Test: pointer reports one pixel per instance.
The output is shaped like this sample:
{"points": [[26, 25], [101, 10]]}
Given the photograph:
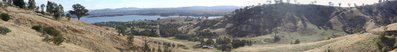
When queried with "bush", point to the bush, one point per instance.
{"points": [[5, 17], [4, 30], [38, 28], [57, 37], [52, 31], [295, 41]]}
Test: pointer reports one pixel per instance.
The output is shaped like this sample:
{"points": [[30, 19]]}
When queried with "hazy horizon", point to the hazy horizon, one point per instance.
{"points": [[112, 4]]}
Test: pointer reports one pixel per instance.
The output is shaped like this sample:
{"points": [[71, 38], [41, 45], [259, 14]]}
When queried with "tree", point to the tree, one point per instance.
{"points": [[57, 12], [153, 33], [32, 4], [121, 30], [340, 4], [49, 7], [130, 39], [69, 16], [8, 2], [42, 8], [37, 9], [225, 43], [60, 10], [79, 11], [210, 42], [146, 47], [228, 47], [330, 3], [54, 9], [19, 3]]}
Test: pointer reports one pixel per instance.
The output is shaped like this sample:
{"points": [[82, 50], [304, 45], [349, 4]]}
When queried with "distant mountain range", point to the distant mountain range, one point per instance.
{"points": [[180, 11]]}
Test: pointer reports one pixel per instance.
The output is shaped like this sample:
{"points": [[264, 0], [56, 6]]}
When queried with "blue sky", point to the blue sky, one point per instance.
{"points": [[102, 4]]}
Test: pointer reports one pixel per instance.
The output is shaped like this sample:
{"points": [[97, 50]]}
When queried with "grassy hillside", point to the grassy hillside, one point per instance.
{"points": [[78, 36]]}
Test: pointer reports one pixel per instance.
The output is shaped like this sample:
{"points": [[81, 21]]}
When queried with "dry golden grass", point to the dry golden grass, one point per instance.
{"points": [[79, 36], [357, 42]]}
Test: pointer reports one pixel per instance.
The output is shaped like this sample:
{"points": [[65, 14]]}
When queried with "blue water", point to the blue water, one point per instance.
{"points": [[124, 18]]}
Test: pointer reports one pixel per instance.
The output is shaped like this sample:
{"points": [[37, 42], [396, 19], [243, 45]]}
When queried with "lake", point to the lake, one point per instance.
{"points": [[125, 18]]}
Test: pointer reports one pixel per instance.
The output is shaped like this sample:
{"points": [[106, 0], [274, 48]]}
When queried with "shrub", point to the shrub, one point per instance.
{"points": [[5, 17], [57, 37], [210, 42], [51, 31], [130, 39], [295, 41], [38, 28], [4, 30]]}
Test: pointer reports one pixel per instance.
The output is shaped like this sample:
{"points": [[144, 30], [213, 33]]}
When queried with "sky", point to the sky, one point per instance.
{"points": [[110, 4]]}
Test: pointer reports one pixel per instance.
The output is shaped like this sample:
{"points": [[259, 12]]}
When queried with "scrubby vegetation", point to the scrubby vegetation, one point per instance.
{"points": [[4, 30], [50, 34], [144, 28], [5, 17], [168, 30], [387, 40], [295, 41]]}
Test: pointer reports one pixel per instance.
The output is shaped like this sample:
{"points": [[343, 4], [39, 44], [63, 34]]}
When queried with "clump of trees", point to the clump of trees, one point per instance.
{"points": [[122, 30], [185, 37], [42, 9], [5, 17], [167, 30], [4, 30], [150, 33], [50, 34], [19, 3], [225, 43], [79, 11], [54, 9], [32, 4], [207, 33]]}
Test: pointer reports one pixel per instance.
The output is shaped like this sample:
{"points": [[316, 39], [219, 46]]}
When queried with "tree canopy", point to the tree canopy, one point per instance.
{"points": [[79, 11]]}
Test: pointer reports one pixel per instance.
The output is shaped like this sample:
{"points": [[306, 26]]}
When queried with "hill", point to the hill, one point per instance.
{"points": [[273, 27], [78, 36], [301, 20]]}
